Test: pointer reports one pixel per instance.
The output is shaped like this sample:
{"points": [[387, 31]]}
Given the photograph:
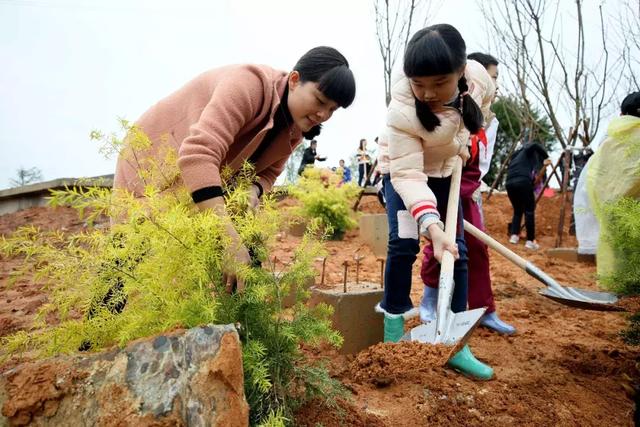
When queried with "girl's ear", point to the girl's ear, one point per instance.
{"points": [[294, 80]]}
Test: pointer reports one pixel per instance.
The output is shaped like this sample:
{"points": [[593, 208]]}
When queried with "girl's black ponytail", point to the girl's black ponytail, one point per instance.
{"points": [[471, 113]]}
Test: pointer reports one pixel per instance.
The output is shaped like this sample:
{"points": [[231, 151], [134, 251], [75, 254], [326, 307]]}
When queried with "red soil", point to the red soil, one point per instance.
{"points": [[563, 367]]}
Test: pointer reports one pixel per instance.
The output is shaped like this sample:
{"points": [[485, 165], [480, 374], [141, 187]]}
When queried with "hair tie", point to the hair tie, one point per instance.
{"points": [[462, 95]]}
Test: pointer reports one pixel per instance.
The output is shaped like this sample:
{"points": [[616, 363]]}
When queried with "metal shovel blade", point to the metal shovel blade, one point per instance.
{"points": [[589, 300], [573, 297], [456, 331]]}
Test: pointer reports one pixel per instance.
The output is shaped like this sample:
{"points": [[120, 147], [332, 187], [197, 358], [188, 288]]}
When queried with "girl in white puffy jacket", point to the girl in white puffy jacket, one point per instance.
{"points": [[435, 104]]}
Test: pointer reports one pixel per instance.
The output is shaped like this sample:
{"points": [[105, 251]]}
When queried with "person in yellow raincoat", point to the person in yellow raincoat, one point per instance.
{"points": [[614, 173]]}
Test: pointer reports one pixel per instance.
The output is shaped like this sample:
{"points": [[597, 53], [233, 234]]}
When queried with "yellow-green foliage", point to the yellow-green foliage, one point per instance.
{"points": [[168, 258], [323, 198], [621, 229]]}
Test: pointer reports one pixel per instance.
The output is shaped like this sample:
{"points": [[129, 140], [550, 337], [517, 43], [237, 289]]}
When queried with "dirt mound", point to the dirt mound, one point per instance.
{"points": [[315, 413], [386, 362], [45, 218], [370, 205], [580, 359]]}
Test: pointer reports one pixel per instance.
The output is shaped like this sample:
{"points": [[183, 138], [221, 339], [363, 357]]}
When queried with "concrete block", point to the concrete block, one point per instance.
{"points": [[354, 316], [374, 232], [571, 255]]}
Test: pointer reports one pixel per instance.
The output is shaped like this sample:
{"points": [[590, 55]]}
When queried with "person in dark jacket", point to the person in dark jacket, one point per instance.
{"points": [[522, 171], [309, 156]]}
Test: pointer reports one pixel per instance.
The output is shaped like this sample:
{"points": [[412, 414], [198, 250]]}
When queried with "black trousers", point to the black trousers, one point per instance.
{"points": [[523, 201], [363, 170]]}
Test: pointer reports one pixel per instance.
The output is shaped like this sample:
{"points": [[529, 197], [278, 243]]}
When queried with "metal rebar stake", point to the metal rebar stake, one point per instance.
{"points": [[346, 266], [324, 266], [358, 258], [381, 261]]}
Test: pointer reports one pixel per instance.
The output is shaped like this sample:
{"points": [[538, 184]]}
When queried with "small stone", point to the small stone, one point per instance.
{"points": [[175, 344], [160, 342], [172, 372], [382, 381]]}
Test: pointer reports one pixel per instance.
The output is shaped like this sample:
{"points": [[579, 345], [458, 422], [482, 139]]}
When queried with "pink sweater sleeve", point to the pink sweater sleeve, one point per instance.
{"points": [[236, 100], [267, 177]]}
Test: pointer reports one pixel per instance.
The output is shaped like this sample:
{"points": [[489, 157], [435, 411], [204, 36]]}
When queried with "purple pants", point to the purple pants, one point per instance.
{"points": [[479, 282]]}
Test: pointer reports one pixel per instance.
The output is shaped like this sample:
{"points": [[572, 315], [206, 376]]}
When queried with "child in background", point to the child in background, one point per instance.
{"points": [[346, 172]]}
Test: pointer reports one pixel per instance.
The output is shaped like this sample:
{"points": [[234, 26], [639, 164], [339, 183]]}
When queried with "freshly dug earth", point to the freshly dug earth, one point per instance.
{"points": [[563, 367], [385, 363]]}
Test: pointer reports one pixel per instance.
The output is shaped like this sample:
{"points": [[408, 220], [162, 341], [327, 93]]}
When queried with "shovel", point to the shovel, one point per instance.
{"points": [[579, 298], [449, 328]]}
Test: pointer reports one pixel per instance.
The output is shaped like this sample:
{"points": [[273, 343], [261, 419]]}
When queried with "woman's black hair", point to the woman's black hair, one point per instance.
{"points": [[435, 50], [631, 105], [327, 67], [330, 70], [360, 144]]}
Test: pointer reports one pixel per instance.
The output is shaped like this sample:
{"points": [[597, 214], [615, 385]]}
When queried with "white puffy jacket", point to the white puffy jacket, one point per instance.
{"points": [[415, 153]]}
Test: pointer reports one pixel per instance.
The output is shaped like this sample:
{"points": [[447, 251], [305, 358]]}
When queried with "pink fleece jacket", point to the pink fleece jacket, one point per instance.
{"points": [[217, 119]]}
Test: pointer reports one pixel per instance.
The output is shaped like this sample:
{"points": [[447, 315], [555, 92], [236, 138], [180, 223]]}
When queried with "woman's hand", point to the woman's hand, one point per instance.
{"points": [[442, 243], [237, 252], [254, 197], [239, 256]]}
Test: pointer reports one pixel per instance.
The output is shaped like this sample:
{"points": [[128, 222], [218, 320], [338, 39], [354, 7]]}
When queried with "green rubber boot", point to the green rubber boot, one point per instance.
{"points": [[393, 327], [465, 362]]}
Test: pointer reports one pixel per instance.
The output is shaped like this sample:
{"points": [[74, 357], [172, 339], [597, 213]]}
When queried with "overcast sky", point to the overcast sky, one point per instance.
{"points": [[71, 66]]}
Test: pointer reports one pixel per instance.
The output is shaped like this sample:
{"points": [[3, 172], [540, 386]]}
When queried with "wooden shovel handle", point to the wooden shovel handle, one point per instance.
{"points": [[495, 245]]}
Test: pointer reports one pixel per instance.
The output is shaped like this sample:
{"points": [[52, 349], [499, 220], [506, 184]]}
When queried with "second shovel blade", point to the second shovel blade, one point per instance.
{"points": [[588, 300]]}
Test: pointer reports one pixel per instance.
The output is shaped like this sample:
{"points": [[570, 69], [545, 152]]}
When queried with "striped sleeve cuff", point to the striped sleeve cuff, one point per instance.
{"points": [[422, 208], [427, 220]]}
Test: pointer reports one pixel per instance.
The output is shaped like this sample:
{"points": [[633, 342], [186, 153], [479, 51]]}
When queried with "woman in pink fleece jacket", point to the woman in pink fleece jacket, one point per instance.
{"points": [[236, 113], [435, 104]]}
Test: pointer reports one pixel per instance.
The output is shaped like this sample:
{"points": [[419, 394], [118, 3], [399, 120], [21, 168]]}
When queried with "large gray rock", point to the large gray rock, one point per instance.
{"points": [[183, 378]]}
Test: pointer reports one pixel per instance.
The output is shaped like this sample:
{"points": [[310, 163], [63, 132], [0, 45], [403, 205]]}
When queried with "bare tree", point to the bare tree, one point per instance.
{"points": [[395, 21], [548, 69], [628, 27], [26, 176]]}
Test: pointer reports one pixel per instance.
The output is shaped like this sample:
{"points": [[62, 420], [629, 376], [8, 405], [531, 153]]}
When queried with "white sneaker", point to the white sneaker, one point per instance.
{"points": [[514, 239], [530, 244]]}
